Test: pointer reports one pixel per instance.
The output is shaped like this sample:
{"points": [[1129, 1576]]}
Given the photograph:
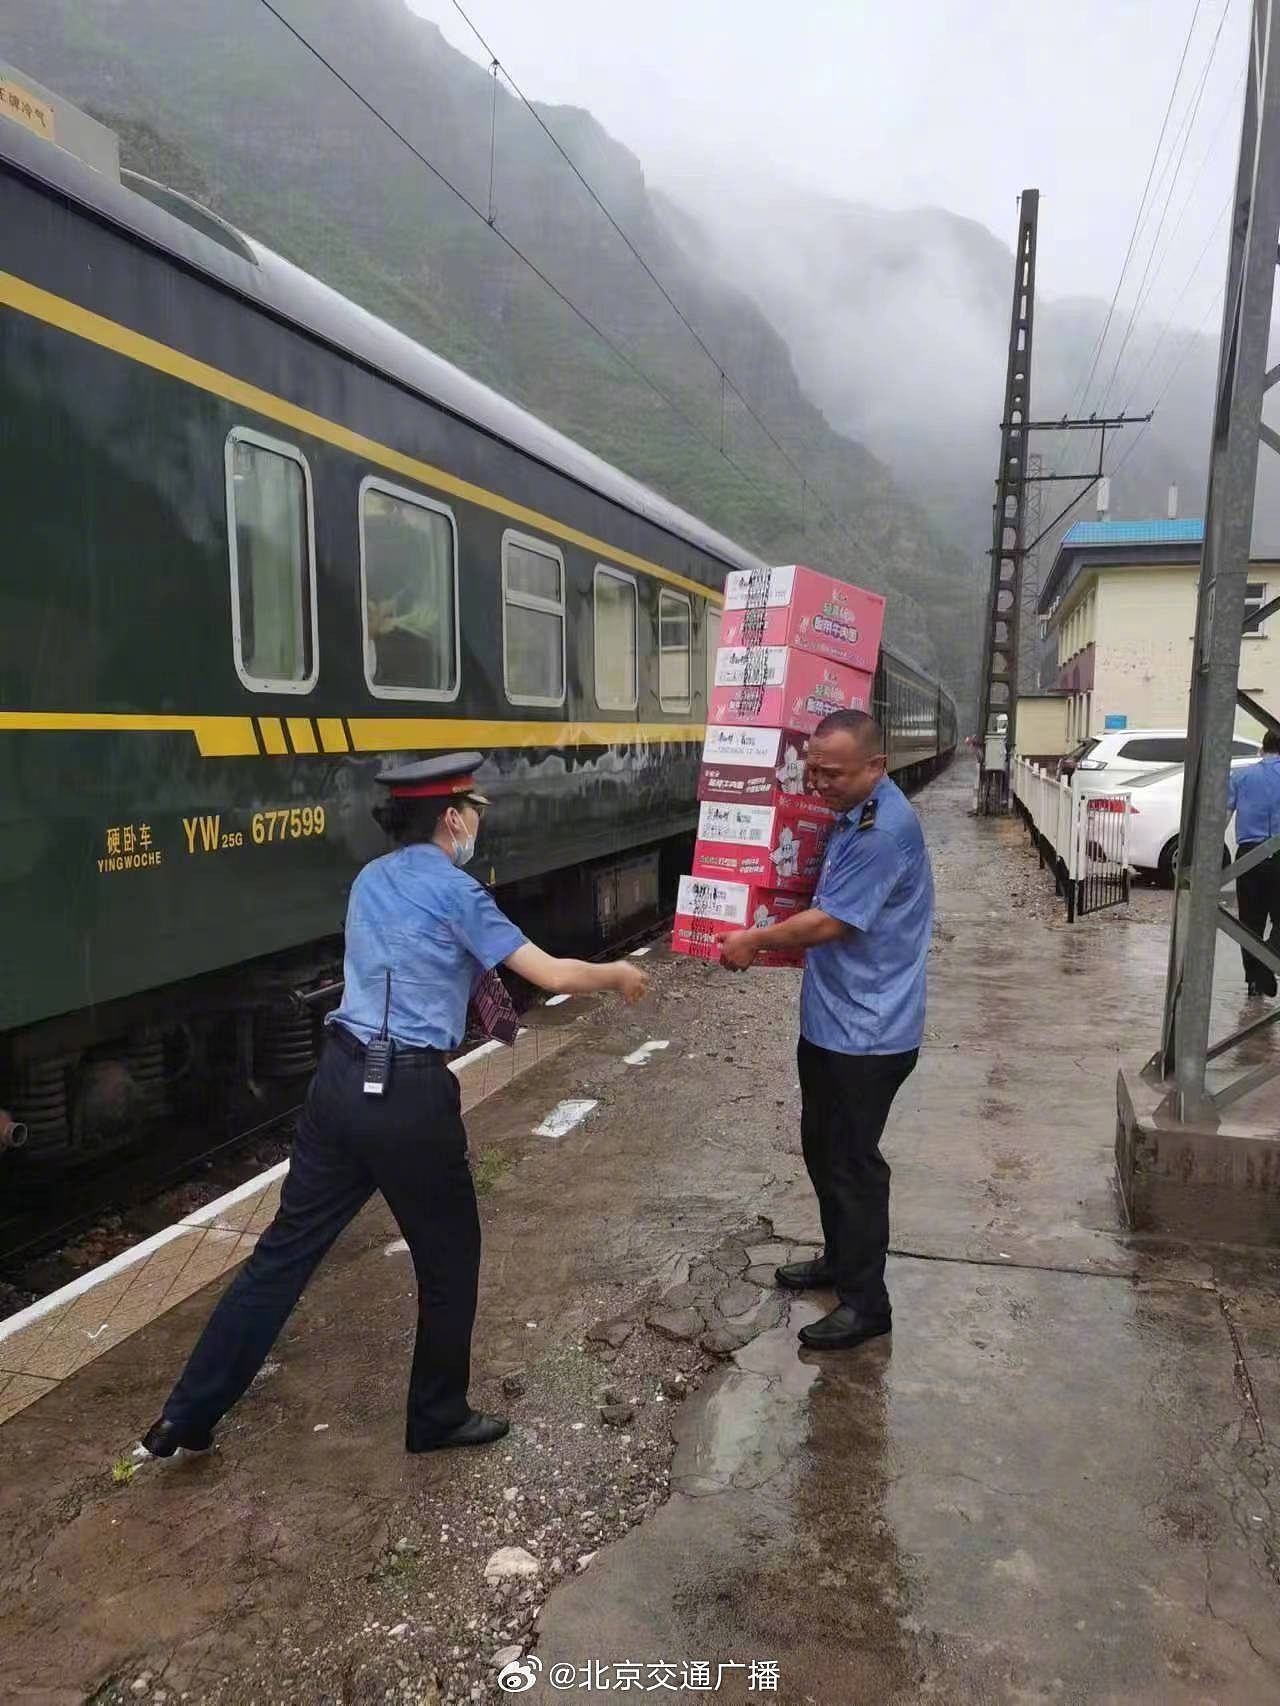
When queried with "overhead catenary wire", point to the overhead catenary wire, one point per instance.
{"points": [[1168, 325], [1140, 295], [1230, 110], [726, 379], [580, 313], [1187, 345], [1176, 154], [1099, 343]]}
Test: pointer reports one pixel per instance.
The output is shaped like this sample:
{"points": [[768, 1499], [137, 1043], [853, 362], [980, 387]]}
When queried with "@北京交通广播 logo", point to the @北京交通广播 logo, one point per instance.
{"points": [[519, 1675]]}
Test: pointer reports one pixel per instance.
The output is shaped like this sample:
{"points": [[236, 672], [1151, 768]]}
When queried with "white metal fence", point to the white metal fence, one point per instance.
{"points": [[1081, 834]]}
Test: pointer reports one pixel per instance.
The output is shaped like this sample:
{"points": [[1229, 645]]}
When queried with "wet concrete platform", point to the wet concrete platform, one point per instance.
{"points": [[1057, 1483]]}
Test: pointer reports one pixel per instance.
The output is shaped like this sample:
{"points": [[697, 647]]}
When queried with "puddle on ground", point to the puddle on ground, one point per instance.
{"points": [[754, 1417]]}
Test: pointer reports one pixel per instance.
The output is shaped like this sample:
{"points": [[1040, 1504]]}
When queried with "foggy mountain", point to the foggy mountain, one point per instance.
{"points": [[898, 327], [221, 102]]}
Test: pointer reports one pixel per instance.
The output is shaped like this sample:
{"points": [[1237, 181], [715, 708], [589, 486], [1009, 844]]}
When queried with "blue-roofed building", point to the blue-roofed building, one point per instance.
{"points": [[1120, 605]]}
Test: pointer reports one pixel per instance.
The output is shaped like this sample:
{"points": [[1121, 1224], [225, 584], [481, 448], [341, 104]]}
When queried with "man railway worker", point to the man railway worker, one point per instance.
{"points": [[1254, 796], [866, 938], [420, 936]]}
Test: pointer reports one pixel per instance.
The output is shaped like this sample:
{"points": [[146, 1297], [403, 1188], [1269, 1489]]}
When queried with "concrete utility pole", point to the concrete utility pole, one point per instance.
{"points": [[1238, 429]]}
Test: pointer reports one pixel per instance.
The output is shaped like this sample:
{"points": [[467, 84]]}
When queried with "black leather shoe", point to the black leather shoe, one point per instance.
{"points": [[478, 1429], [844, 1328], [163, 1439], [801, 1276]]}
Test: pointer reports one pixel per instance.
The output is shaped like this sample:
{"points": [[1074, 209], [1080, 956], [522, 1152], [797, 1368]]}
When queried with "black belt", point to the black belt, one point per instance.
{"points": [[404, 1056]]}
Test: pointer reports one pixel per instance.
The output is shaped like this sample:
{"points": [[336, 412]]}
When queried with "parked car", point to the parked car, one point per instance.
{"points": [[1125, 753], [1155, 804]]}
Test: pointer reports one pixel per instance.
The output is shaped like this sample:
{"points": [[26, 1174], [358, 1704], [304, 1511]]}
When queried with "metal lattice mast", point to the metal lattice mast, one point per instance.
{"points": [[999, 686], [1029, 627], [1238, 429]]}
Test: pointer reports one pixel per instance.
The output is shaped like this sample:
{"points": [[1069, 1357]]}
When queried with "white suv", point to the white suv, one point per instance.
{"points": [[1114, 758]]}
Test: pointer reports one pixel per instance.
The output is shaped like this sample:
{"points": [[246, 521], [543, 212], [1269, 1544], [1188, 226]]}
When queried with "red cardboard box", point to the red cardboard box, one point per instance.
{"points": [[762, 767], [776, 848], [778, 687], [799, 607], [708, 910]]}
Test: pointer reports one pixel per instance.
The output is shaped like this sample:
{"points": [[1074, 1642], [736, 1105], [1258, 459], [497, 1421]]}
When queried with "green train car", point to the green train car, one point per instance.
{"points": [[255, 543]]}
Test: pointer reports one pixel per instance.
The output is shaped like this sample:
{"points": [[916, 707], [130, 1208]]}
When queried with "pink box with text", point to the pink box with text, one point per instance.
{"points": [[778, 687], [800, 607], [768, 845], [708, 910]]}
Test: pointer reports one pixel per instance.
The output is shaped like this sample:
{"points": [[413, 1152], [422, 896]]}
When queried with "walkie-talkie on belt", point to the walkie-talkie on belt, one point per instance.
{"points": [[379, 1052]]}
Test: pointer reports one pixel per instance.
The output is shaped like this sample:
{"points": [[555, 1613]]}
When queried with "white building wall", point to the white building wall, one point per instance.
{"points": [[1145, 626]]}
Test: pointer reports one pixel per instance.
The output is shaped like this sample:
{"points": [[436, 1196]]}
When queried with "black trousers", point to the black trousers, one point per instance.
{"points": [[1258, 903], [411, 1145], [845, 1101]]}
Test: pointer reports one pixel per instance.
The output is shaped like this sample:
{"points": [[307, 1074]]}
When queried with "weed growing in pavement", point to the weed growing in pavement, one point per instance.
{"points": [[397, 1566], [487, 1168], [123, 1471]]}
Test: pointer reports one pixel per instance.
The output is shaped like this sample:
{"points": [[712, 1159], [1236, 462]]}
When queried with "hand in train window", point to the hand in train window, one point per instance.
{"points": [[408, 556], [272, 564]]}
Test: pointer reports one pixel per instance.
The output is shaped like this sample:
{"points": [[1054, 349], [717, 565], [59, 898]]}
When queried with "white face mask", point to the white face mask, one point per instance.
{"points": [[463, 848]]}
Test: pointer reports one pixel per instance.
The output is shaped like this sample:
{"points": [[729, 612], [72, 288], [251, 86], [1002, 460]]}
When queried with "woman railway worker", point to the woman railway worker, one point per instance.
{"points": [[420, 935]]}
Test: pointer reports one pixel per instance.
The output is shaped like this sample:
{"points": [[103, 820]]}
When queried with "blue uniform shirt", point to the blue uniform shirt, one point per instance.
{"points": [[864, 993], [413, 912], [1254, 794]]}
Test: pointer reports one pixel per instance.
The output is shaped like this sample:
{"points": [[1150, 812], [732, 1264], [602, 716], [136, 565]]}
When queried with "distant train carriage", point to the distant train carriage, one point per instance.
{"points": [[257, 540]]}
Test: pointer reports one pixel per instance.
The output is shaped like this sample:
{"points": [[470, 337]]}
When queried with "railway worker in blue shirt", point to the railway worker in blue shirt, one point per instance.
{"points": [[421, 936], [1254, 796], [866, 940]]}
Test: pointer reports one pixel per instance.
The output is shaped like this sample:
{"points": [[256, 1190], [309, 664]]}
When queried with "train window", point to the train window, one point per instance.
{"points": [[532, 621], [714, 618], [409, 593], [273, 564], [616, 622], [675, 624]]}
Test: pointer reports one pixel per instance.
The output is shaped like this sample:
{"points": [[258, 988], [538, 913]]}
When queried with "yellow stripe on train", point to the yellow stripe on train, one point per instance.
{"points": [[235, 737]]}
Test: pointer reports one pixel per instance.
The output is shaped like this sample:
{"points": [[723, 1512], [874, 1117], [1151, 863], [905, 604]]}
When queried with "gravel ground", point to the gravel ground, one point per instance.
{"points": [[422, 1601], [450, 1593]]}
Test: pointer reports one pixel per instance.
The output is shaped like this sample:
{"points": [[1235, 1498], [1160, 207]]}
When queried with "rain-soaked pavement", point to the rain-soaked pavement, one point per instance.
{"points": [[1054, 1484]]}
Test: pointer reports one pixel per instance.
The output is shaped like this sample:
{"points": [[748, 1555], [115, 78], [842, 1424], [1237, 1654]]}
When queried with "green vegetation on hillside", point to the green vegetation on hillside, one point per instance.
{"points": [[221, 102]]}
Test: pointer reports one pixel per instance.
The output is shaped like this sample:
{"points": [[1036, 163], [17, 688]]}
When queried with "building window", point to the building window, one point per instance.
{"points": [[1255, 596], [675, 629], [532, 621], [273, 568], [409, 594], [616, 623], [714, 619]]}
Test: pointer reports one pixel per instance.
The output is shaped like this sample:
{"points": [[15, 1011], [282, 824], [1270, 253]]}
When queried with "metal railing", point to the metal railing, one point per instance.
{"points": [[1081, 835]]}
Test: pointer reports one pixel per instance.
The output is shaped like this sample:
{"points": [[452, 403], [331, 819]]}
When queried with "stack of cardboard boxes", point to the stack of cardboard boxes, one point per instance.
{"points": [[797, 645]]}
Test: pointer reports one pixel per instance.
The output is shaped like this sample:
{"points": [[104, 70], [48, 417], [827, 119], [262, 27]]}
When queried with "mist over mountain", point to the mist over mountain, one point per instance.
{"points": [[223, 103], [898, 325]]}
